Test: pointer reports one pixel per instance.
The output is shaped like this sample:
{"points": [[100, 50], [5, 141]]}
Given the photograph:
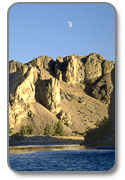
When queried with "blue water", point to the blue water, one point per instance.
{"points": [[63, 160]]}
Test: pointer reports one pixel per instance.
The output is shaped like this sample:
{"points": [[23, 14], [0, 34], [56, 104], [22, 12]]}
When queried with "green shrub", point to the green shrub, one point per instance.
{"points": [[30, 129], [84, 133], [48, 130], [26, 130], [58, 129], [10, 129], [23, 130], [76, 132]]}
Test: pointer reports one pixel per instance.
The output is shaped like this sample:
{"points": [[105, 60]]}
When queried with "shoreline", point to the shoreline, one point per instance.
{"points": [[54, 147], [39, 148], [55, 143], [45, 140]]}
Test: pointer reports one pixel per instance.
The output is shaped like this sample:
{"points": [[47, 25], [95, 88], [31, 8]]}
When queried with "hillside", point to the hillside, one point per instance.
{"points": [[78, 90]]}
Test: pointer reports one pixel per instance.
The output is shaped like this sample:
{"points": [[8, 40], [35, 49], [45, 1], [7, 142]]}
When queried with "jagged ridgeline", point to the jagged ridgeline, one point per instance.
{"points": [[77, 90]]}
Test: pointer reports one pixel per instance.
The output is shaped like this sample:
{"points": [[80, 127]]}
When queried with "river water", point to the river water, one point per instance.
{"points": [[61, 159]]}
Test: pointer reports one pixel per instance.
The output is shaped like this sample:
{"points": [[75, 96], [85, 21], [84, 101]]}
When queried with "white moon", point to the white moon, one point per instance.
{"points": [[69, 24]]}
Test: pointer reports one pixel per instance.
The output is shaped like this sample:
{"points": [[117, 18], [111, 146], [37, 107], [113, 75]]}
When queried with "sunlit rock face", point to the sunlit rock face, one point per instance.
{"points": [[70, 75], [22, 93], [93, 69], [26, 90], [50, 94], [66, 69]]}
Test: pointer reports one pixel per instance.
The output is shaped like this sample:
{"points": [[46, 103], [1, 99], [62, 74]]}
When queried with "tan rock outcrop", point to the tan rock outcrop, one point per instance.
{"points": [[58, 74], [80, 73], [79, 68], [17, 112], [43, 62], [26, 90], [65, 118], [107, 66], [70, 74], [50, 94], [93, 68], [14, 66], [66, 69], [103, 89], [22, 92], [59, 59]]}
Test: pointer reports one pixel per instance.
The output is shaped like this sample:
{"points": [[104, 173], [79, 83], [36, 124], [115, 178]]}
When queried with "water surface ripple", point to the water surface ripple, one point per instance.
{"points": [[63, 160]]}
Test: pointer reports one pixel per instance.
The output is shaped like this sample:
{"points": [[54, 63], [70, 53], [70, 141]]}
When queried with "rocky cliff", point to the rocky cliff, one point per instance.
{"points": [[78, 90]]}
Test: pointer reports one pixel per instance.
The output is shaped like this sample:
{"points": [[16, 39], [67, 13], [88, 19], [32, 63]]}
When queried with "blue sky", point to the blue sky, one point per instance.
{"points": [[42, 29]]}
